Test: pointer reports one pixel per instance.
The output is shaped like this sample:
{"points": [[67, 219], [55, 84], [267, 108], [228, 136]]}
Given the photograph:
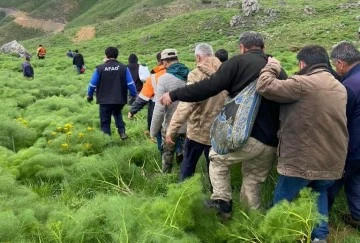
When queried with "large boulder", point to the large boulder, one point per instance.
{"points": [[14, 47], [250, 6]]}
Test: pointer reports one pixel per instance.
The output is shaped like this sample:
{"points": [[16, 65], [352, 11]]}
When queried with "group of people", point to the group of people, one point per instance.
{"points": [[309, 123], [27, 69]]}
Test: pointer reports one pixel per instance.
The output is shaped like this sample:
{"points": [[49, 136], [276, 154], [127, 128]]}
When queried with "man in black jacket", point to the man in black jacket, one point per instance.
{"points": [[111, 81], [258, 154], [78, 62]]}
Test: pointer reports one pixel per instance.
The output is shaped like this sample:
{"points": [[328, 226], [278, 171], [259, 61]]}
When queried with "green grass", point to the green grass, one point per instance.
{"points": [[64, 181]]}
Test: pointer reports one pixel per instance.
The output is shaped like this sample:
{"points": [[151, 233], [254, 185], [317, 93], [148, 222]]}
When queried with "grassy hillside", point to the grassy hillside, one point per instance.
{"points": [[64, 181]]}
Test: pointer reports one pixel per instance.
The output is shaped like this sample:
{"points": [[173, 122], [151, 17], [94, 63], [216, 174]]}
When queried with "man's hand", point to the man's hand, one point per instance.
{"points": [[153, 139], [90, 99], [169, 140], [165, 99], [130, 116], [272, 60]]}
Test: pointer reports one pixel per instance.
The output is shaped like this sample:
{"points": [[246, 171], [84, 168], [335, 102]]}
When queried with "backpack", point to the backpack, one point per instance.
{"points": [[232, 127]]}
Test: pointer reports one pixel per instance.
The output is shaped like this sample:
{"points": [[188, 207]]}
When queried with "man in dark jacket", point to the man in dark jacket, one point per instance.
{"points": [[133, 66], [258, 154], [111, 81], [78, 62], [28, 71], [346, 59]]}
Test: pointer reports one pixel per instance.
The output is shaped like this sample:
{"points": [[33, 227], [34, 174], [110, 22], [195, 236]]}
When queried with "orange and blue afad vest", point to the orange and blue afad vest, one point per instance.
{"points": [[149, 88]]}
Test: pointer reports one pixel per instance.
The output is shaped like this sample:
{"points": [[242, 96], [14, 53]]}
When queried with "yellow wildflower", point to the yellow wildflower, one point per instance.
{"points": [[90, 129], [65, 145], [81, 135]]}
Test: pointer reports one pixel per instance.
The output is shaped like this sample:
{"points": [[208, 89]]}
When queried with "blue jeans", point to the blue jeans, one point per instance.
{"points": [[351, 183], [289, 187], [193, 151], [106, 111]]}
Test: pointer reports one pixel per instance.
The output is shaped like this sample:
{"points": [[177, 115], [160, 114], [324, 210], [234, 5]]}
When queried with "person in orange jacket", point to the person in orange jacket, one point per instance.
{"points": [[41, 52], [148, 90]]}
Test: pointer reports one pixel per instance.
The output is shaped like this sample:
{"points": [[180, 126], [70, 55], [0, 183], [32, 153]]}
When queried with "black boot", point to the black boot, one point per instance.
{"points": [[224, 208]]}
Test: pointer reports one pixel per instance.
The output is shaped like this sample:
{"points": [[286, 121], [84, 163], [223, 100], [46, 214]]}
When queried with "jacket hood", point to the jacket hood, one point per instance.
{"points": [[209, 65], [158, 68], [179, 70]]}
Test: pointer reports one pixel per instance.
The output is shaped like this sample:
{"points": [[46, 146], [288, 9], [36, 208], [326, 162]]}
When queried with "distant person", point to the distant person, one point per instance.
{"points": [[111, 81], [78, 62], [70, 54], [222, 55], [28, 70], [41, 52], [134, 70]]}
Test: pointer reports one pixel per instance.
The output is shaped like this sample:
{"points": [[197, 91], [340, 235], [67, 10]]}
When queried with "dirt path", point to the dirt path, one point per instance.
{"points": [[85, 33], [22, 18]]}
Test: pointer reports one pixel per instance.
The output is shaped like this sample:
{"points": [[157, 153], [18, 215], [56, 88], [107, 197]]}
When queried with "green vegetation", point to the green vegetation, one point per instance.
{"points": [[62, 180]]}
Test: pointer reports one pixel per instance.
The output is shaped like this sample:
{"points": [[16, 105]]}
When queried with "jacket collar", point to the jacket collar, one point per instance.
{"points": [[312, 69], [158, 68], [352, 71]]}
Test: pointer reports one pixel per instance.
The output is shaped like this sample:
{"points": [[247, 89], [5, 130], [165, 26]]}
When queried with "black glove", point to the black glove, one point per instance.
{"points": [[90, 99]]}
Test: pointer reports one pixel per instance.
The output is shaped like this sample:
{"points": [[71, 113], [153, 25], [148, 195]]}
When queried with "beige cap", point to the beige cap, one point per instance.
{"points": [[168, 53]]}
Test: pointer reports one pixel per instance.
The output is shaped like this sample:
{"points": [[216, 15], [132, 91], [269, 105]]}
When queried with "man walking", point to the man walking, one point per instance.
{"points": [[78, 62], [197, 115], [175, 77], [28, 70], [258, 154], [313, 134], [346, 59], [111, 81]]}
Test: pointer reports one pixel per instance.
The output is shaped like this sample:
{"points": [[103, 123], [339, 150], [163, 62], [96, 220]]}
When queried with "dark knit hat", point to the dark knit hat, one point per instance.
{"points": [[133, 58]]}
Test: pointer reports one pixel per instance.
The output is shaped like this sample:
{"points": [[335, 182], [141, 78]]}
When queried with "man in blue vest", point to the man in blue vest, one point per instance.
{"points": [[111, 81]]}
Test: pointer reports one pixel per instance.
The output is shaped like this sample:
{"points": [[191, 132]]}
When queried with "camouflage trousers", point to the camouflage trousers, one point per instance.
{"points": [[257, 161], [169, 151]]}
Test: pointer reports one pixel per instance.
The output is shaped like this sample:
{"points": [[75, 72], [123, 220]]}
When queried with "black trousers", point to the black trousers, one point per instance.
{"points": [[108, 110], [193, 151]]}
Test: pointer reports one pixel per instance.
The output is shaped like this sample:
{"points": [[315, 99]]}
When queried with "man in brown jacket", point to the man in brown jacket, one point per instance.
{"points": [[313, 136], [199, 115]]}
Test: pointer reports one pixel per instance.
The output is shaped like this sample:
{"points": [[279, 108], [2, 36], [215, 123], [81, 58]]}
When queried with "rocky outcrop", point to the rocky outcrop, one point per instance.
{"points": [[349, 5], [232, 4], [14, 47], [250, 6]]}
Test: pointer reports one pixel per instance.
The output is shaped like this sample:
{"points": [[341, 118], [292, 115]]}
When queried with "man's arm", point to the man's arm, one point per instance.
{"points": [[351, 102], [137, 105], [219, 81], [282, 91], [130, 83], [179, 118], [93, 83], [159, 111]]}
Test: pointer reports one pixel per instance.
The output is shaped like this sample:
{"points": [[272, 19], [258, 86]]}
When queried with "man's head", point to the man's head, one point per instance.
{"points": [[111, 52], [310, 55], [40, 45], [344, 56], [76, 51], [133, 58], [251, 40], [222, 55], [27, 58], [169, 56], [203, 51], [158, 57]]}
